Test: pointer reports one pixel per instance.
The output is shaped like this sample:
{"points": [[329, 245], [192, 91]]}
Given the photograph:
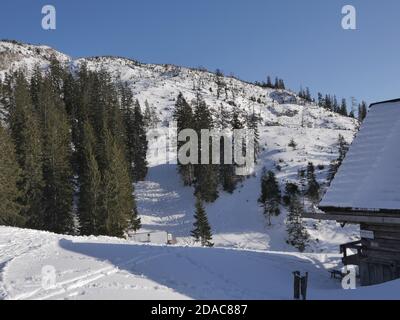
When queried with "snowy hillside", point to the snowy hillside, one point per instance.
{"points": [[109, 268], [236, 220]]}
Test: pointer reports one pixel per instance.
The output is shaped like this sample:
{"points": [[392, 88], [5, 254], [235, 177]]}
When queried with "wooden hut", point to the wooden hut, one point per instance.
{"points": [[366, 191]]}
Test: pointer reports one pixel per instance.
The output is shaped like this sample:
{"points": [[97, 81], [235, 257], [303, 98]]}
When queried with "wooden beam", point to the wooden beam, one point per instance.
{"points": [[352, 218]]}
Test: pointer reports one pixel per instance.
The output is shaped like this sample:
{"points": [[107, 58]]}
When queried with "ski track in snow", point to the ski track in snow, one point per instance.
{"points": [[109, 268], [78, 274]]}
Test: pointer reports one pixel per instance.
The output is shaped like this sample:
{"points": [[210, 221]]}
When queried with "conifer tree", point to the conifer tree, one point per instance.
{"points": [[26, 134], [139, 143], [343, 108], [150, 117], [224, 118], [362, 111], [219, 81], [206, 175], [320, 100], [6, 95], [253, 121], [281, 84], [343, 147], [118, 200], [291, 191], [147, 118], [92, 218], [292, 144], [328, 103], [269, 82], [312, 191], [335, 105], [183, 115], [135, 134], [276, 83], [236, 124], [227, 171], [10, 208], [202, 229], [296, 231], [57, 171], [308, 95], [270, 197], [35, 86]]}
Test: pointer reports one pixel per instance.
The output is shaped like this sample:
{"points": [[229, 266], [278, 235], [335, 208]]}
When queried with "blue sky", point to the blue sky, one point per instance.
{"points": [[300, 41]]}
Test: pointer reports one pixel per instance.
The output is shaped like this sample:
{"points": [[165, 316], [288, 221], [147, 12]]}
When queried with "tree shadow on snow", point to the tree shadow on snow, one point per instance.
{"points": [[204, 273]]}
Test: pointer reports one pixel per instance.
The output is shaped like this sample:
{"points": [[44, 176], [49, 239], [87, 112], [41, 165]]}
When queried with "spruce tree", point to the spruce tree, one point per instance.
{"points": [[127, 105], [292, 144], [57, 170], [219, 81], [291, 191], [150, 116], [183, 115], [343, 147], [252, 124], [202, 229], [224, 118], [230, 169], [276, 83], [35, 86], [335, 105], [320, 100], [92, 218], [135, 134], [10, 208], [362, 111], [269, 82], [139, 143], [270, 197], [313, 187], [308, 95], [328, 103], [343, 108], [25, 128], [281, 84], [227, 173], [206, 175], [118, 200], [296, 231]]}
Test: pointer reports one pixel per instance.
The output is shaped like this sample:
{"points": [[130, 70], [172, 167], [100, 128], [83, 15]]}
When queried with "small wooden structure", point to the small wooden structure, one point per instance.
{"points": [[377, 254], [366, 192]]}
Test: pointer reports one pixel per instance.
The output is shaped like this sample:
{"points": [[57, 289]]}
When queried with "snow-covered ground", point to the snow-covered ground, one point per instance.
{"points": [[108, 268], [165, 205], [250, 260]]}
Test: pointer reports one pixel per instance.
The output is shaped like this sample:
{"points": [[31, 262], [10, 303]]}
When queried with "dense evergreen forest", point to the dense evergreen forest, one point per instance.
{"points": [[72, 146], [75, 143]]}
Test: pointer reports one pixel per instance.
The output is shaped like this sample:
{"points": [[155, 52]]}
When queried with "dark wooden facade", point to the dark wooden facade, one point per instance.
{"points": [[378, 252]]}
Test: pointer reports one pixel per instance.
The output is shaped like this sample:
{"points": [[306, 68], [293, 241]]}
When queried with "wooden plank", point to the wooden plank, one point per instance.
{"points": [[357, 219], [382, 245], [387, 235], [380, 227]]}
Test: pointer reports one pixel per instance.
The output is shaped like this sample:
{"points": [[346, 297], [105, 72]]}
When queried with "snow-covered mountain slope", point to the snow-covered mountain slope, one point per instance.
{"points": [[15, 56], [236, 220], [41, 265]]}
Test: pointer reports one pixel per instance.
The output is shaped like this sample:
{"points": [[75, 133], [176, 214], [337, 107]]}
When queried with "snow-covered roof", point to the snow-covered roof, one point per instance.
{"points": [[369, 177]]}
